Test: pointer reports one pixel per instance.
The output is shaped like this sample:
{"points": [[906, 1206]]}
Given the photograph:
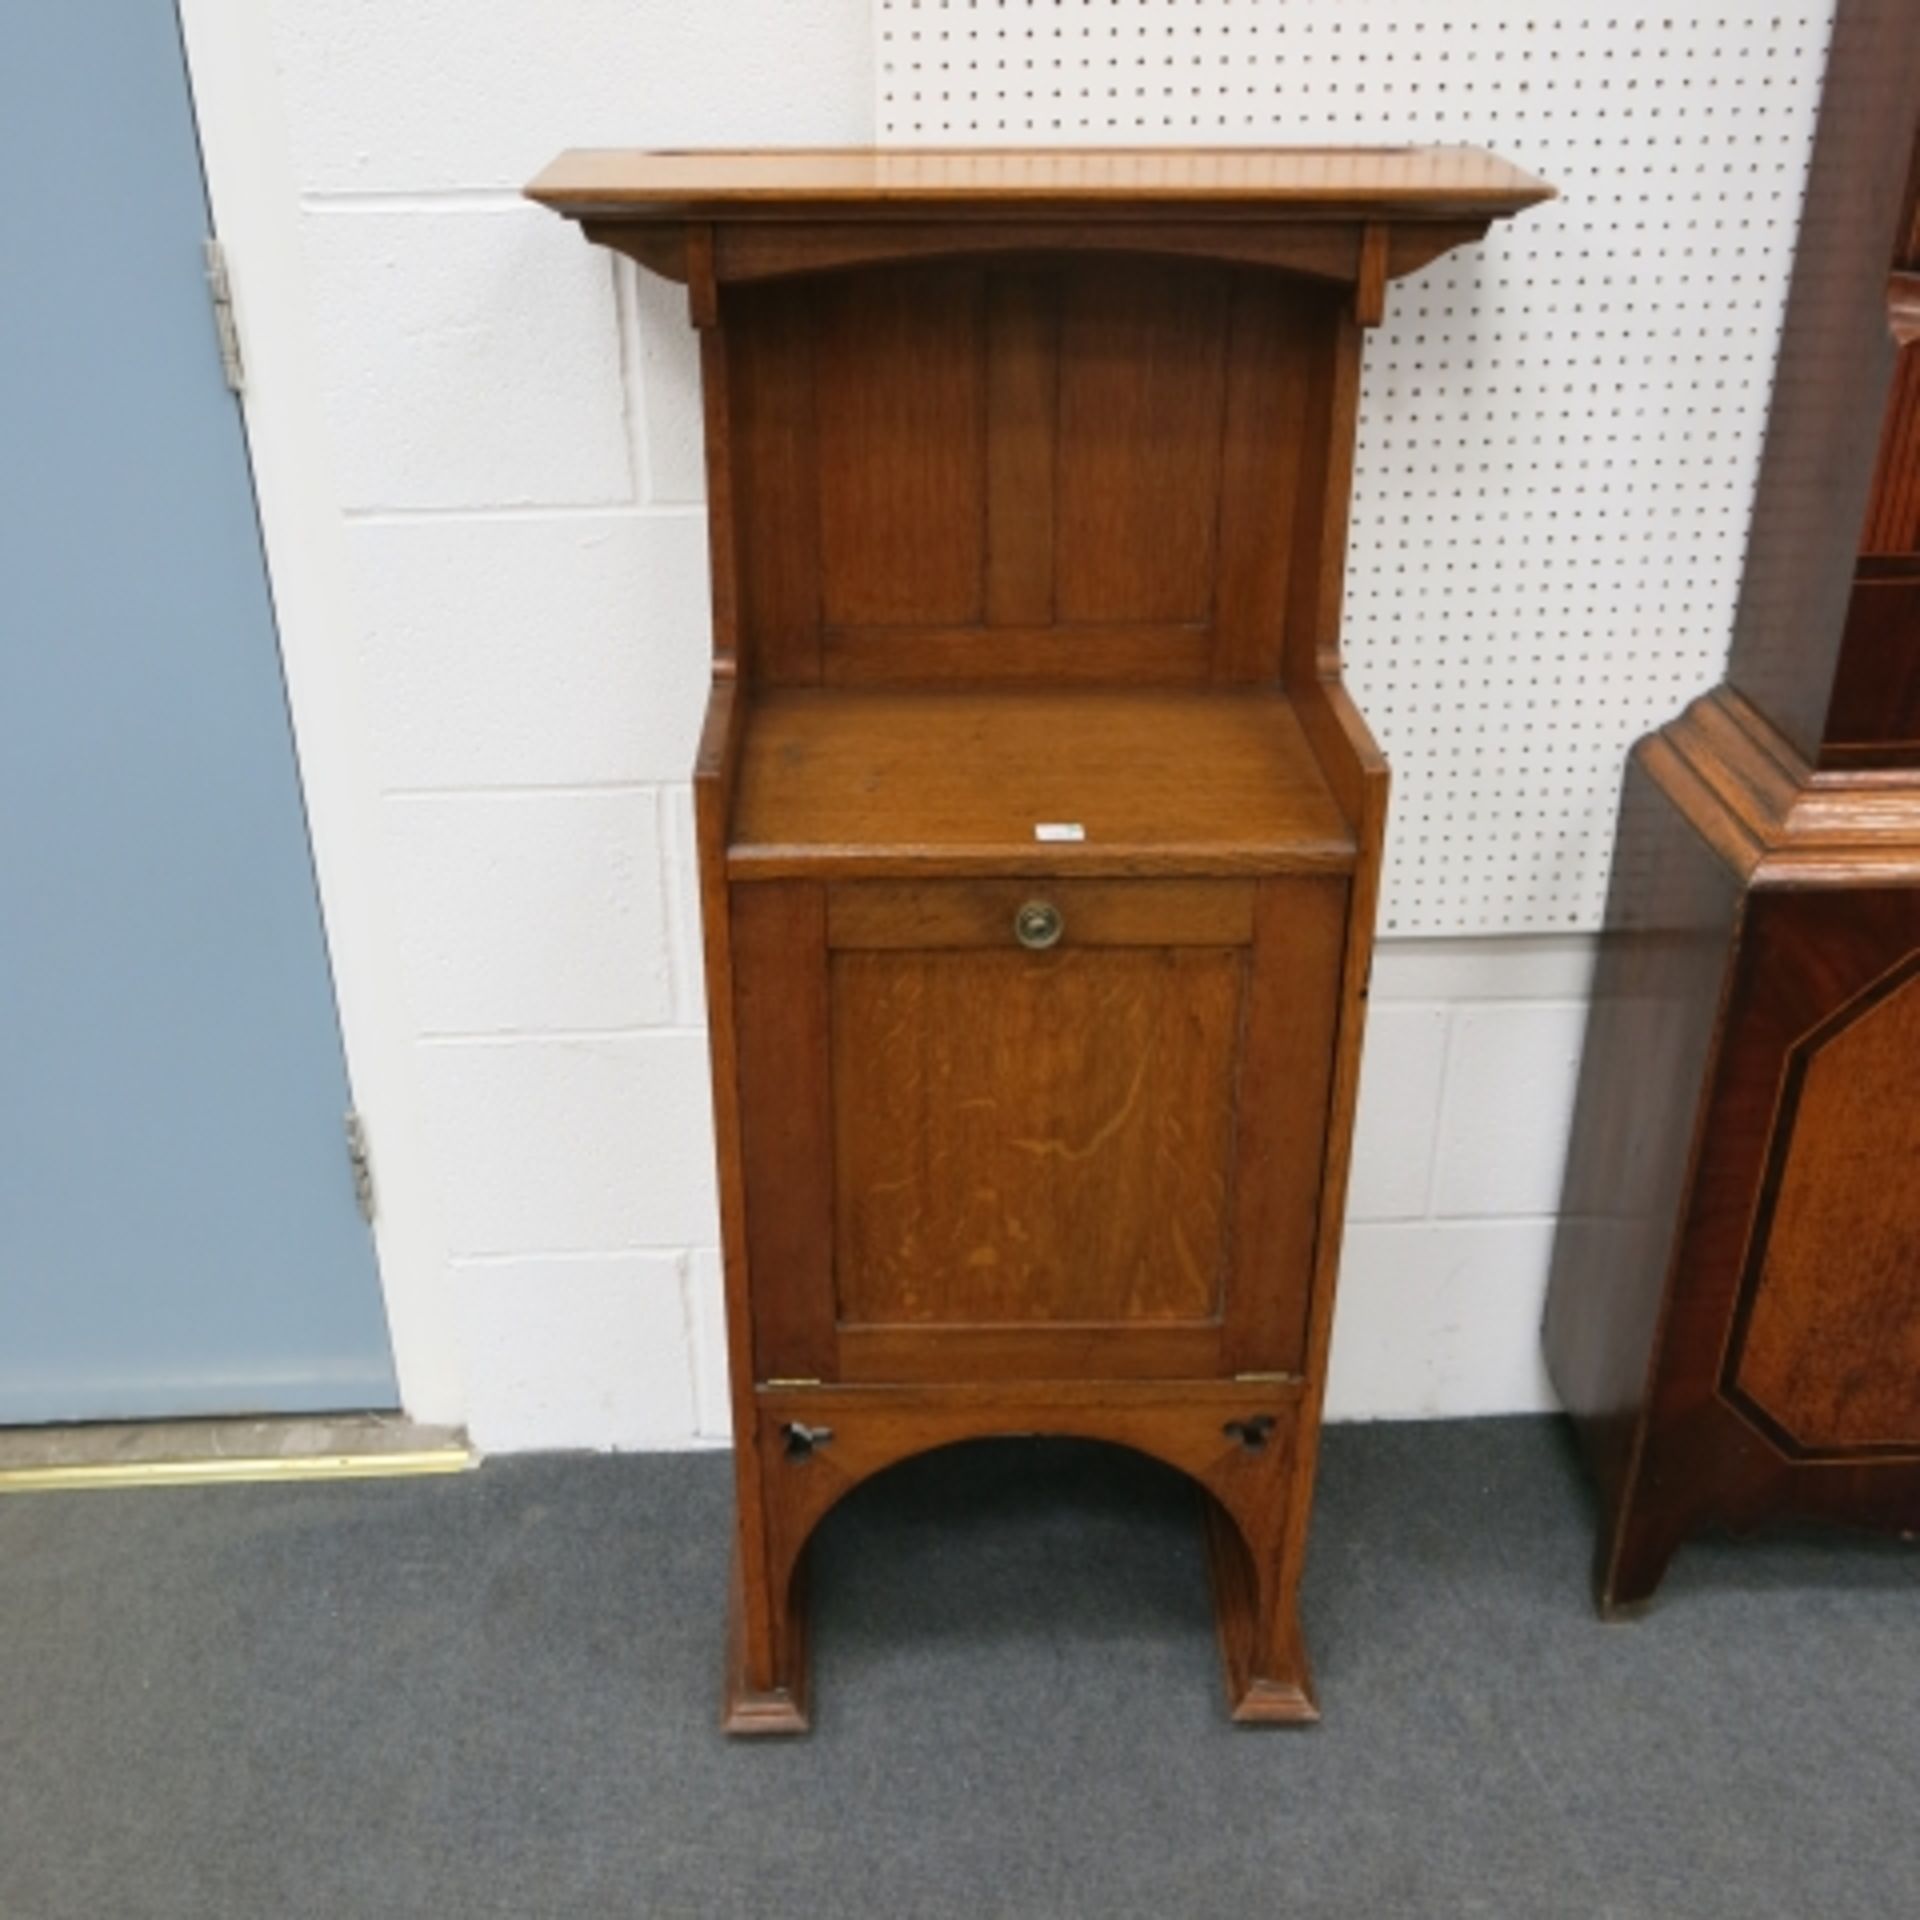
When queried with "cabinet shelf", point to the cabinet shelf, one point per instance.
{"points": [[839, 783]]}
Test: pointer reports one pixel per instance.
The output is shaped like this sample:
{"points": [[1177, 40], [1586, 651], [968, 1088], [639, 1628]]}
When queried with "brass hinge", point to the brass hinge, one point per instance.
{"points": [[807, 1380], [225, 330], [1246, 1379], [361, 1161]]}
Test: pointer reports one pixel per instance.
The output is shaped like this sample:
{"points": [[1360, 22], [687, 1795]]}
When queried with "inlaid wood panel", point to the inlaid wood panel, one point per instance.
{"points": [[1033, 1136], [1817, 985], [1831, 1346]]}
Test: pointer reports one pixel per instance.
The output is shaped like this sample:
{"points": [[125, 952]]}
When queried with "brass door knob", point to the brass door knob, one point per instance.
{"points": [[1038, 925]]}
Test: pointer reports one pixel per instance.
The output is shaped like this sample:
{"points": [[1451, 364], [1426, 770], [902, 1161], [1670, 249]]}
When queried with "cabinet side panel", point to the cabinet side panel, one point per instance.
{"points": [[779, 937], [1280, 1136], [1657, 1000]]}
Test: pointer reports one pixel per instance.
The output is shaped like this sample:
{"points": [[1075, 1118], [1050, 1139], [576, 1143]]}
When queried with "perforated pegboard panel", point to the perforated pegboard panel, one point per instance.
{"points": [[1560, 428]]}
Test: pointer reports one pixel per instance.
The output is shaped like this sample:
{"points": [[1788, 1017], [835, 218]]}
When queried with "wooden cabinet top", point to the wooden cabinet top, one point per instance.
{"points": [[1366, 183]]}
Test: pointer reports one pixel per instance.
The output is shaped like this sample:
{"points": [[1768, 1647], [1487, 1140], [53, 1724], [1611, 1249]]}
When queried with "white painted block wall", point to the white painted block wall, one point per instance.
{"points": [[514, 437]]}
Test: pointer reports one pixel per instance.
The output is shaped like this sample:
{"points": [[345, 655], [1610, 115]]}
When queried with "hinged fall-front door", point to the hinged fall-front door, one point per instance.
{"points": [[1054, 1129]]}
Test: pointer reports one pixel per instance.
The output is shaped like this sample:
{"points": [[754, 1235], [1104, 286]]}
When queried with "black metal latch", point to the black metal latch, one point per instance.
{"points": [[802, 1440]]}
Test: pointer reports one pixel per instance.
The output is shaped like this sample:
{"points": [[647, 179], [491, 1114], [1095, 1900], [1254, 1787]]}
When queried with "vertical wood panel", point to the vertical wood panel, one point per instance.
{"points": [[1874, 715], [900, 396], [1893, 513], [1142, 382], [715, 770], [1908, 257], [1318, 574], [1286, 1069], [1657, 991], [780, 1035], [716, 409], [1023, 345], [1268, 369], [776, 480]]}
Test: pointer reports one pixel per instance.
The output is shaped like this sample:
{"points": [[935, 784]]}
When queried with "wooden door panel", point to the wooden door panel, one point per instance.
{"points": [[1807, 1198], [1828, 1340], [1035, 1137], [968, 1160]]}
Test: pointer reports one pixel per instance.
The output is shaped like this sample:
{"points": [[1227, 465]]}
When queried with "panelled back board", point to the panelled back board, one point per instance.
{"points": [[1043, 474]]}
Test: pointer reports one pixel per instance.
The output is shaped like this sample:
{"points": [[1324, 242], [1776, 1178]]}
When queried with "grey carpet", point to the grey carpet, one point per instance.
{"points": [[496, 1695]]}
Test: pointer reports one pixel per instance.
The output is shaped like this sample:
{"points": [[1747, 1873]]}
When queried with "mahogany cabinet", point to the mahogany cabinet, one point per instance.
{"points": [[1039, 842], [1734, 1315]]}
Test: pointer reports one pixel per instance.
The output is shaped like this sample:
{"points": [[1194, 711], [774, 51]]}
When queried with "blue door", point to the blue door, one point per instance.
{"points": [[178, 1226]]}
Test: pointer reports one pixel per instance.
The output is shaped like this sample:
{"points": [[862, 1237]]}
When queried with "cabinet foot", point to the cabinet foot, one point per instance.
{"points": [[783, 1708], [1263, 1659], [1633, 1561]]}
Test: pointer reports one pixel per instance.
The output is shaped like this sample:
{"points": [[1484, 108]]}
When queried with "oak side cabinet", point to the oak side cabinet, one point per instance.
{"points": [[1734, 1315], [1038, 840]]}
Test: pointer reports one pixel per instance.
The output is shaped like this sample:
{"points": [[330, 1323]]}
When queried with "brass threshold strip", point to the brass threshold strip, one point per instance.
{"points": [[237, 1470]]}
